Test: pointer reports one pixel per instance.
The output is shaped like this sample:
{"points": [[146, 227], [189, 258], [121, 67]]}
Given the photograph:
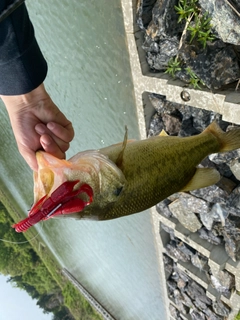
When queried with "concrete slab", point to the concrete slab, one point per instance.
{"points": [[227, 103]]}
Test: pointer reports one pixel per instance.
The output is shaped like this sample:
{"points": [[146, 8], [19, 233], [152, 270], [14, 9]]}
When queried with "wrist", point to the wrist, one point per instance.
{"points": [[33, 97]]}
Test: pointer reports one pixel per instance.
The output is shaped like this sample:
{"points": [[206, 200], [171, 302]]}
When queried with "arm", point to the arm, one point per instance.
{"points": [[36, 121], [22, 65]]}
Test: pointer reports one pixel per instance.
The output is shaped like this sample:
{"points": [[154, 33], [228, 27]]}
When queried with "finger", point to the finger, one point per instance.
{"points": [[60, 118], [53, 114], [53, 143], [64, 133], [49, 145], [29, 156]]}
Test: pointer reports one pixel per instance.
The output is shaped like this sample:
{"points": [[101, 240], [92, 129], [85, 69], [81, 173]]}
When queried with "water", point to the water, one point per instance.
{"points": [[89, 79]]}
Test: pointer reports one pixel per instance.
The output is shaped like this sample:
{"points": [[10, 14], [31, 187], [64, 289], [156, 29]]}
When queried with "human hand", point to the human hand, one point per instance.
{"points": [[37, 123]]}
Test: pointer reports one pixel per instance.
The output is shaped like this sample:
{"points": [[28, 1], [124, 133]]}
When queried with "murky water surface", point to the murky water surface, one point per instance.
{"points": [[89, 79]]}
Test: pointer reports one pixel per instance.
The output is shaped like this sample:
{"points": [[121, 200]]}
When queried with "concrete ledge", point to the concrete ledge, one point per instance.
{"points": [[217, 261], [226, 103]]}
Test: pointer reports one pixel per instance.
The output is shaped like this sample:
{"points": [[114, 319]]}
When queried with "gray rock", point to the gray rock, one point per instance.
{"points": [[221, 309], [208, 163], [219, 158], [210, 236], [165, 17], [234, 200], [162, 208], [197, 315], [200, 262], [195, 291], [184, 248], [211, 315], [179, 302], [232, 247], [159, 54], [172, 124], [192, 120], [207, 220], [161, 35], [218, 213], [168, 230], [187, 128], [175, 252], [202, 118], [174, 197], [225, 171], [168, 265], [211, 194], [187, 300], [168, 116], [200, 305], [181, 284], [223, 282], [196, 205], [156, 125], [158, 102], [224, 20], [182, 274], [174, 311], [226, 185], [216, 66], [186, 217], [231, 234], [235, 168], [144, 12], [171, 285]]}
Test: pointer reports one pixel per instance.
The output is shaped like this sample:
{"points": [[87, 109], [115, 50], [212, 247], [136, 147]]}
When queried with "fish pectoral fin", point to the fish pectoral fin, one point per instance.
{"points": [[203, 177]]}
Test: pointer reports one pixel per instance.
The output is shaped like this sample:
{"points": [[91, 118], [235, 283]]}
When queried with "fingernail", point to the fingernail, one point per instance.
{"points": [[50, 125], [46, 140], [40, 128]]}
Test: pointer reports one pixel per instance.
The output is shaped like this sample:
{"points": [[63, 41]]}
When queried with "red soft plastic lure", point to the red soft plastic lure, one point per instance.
{"points": [[64, 200]]}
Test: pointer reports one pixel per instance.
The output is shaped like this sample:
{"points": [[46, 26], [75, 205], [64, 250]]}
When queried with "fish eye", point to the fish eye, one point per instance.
{"points": [[118, 191]]}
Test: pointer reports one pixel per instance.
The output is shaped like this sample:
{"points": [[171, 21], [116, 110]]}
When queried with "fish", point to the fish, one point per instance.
{"points": [[134, 175]]}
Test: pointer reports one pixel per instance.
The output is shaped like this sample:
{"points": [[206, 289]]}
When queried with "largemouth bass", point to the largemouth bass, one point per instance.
{"points": [[133, 176]]}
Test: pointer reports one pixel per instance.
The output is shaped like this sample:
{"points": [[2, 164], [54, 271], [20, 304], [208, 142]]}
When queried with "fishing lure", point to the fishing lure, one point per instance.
{"points": [[63, 200]]}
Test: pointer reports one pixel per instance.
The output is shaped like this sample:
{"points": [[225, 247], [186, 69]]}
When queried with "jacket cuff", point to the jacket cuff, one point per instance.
{"points": [[24, 73]]}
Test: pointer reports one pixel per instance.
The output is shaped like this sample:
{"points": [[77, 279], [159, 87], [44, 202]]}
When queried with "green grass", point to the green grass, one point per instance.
{"points": [[237, 317]]}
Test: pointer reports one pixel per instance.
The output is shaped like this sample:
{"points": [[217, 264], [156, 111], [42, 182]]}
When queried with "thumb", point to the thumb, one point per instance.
{"points": [[29, 156]]}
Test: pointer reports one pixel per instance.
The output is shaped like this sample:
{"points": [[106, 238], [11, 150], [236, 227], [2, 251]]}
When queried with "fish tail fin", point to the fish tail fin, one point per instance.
{"points": [[228, 140]]}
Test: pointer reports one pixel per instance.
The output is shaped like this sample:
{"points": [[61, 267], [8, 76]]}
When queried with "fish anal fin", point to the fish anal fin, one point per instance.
{"points": [[203, 177]]}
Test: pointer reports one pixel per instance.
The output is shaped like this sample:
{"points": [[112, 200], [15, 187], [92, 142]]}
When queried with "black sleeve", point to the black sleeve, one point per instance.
{"points": [[22, 65]]}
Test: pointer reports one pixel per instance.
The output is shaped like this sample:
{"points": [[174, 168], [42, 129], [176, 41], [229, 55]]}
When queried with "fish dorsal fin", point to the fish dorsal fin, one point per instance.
{"points": [[120, 156], [163, 133], [203, 177]]}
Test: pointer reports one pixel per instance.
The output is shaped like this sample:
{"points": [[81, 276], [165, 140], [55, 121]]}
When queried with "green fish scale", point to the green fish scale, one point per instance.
{"points": [[158, 167], [154, 169]]}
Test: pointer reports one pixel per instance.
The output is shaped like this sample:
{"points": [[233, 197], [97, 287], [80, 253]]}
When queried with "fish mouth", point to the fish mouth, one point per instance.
{"points": [[49, 175], [43, 183]]}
